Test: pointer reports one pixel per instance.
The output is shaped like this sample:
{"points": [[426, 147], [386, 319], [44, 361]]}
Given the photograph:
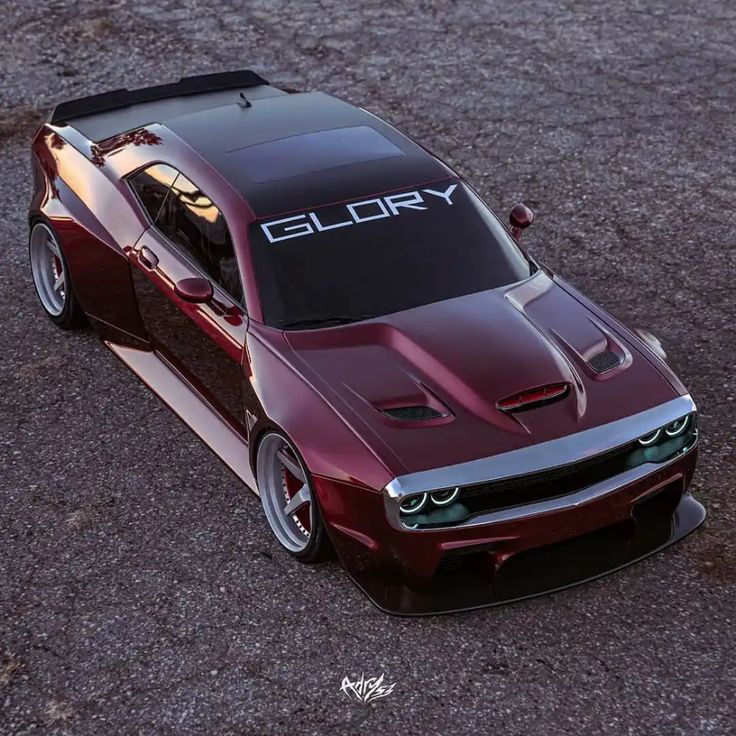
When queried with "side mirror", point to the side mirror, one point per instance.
{"points": [[194, 290], [520, 218]]}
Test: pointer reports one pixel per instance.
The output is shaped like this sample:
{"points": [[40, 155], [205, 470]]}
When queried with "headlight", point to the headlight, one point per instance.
{"points": [[650, 439], [444, 498], [677, 427], [413, 504], [663, 434]]}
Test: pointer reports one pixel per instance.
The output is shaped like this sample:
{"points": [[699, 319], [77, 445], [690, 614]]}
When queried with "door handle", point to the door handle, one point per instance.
{"points": [[232, 315], [147, 258]]}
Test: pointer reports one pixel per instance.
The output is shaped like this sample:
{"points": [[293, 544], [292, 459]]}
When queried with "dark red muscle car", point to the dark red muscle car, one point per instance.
{"points": [[339, 316]]}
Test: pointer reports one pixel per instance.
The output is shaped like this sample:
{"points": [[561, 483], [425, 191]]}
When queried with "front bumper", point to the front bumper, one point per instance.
{"points": [[512, 555]]}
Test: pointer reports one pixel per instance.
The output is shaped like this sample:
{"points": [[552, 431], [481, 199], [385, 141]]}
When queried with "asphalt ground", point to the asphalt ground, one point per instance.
{"points": [[140, 589]]}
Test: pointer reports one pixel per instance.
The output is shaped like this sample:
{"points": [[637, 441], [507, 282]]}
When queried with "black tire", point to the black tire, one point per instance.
{"points": [[63, 310]]}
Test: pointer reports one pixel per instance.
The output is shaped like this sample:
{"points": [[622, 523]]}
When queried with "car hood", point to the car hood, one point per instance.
{"points": [[460, 357]]}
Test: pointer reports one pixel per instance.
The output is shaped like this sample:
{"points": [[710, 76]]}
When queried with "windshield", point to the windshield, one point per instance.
{"points": [[381, 254]]}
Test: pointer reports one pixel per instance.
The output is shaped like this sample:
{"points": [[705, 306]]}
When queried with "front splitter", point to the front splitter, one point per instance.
{"points": [[477, 584]]}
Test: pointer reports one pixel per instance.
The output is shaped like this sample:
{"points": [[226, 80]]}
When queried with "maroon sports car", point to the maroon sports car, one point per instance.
{"points": [[339, 316]]}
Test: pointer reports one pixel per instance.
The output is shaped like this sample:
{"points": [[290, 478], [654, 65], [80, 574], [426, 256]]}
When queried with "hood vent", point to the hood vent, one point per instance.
{"points": [[412, 413], [605, 361], [534, 397]]}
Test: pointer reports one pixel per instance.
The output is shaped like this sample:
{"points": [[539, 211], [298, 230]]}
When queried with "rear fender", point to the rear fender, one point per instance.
{"points": [[69, 192]]}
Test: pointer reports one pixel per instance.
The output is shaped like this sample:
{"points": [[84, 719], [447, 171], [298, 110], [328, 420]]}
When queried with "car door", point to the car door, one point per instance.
{"points": [[200, 331]]}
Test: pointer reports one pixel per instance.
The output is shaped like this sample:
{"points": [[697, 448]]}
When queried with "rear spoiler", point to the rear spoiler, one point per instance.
{"points": [[123, 97]]}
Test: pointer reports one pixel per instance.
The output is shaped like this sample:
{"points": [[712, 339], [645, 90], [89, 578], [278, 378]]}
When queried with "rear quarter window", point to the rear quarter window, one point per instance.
{"points": [[151, 187]]}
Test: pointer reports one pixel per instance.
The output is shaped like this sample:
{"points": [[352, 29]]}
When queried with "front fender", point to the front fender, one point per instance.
{"points": [[282, 398]]}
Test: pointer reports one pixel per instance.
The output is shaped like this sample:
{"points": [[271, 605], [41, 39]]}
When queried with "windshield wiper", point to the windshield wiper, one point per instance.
{"points": [[326, 321]]}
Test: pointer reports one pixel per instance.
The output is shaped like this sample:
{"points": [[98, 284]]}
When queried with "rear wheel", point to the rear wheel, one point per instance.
{"points": [[288, 499], [51, 278]]}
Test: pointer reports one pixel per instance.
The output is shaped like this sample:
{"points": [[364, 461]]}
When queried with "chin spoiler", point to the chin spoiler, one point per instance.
{"points": [[523, 522]]}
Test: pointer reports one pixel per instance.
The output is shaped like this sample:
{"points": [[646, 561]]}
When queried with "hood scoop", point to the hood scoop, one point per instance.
{"points": [[534, 397], [413, 413], [605, 361]]}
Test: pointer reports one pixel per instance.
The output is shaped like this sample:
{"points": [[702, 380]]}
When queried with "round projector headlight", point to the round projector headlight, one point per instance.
{"points": [[677, 427], [413, 504], [444, 498], [650, 439]]}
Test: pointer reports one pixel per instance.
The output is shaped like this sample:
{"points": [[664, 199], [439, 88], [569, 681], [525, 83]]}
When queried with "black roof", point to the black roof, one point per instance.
{"points": [[103, 116], [315, 162], [228, 135]]}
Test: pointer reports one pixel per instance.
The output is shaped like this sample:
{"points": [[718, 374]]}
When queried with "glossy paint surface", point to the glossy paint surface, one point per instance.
{"points": [[204, 338], [468, 353], [405, 573], [231, 378], [159, 376]]}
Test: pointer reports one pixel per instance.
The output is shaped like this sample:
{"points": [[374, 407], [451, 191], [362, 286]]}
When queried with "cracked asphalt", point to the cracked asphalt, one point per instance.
{"points": [[140, 590]]}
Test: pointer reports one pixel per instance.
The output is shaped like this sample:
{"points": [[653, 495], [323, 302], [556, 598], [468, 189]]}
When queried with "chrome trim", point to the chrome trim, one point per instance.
{"points": [[570, 501], [561, 503], [544, 455], [566, 451]]}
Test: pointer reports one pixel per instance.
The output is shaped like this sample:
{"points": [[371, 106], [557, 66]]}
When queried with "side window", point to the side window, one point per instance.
{"points": [[152, 185], [190, 219]]}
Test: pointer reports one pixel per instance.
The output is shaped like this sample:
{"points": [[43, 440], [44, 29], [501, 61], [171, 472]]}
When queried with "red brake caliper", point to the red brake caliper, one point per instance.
{"points": [[291, 488]]}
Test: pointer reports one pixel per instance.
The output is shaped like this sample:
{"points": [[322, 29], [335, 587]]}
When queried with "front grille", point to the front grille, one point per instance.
{"points": [[412, 413], [547, 484], [605, 361]]}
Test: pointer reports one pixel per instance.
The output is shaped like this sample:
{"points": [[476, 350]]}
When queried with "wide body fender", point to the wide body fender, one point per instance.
{"points": [[91, 220], [282, 398]]}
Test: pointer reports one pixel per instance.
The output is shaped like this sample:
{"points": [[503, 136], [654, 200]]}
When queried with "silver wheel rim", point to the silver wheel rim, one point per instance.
{"points": [[48, 270], [285, 492]]}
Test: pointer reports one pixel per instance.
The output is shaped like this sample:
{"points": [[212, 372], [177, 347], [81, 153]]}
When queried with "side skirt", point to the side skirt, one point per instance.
{"points": [[229, 445]]}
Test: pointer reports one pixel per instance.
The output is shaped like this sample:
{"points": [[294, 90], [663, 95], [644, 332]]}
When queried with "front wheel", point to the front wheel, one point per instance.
{"points": [[51, 278], [288, 499]]}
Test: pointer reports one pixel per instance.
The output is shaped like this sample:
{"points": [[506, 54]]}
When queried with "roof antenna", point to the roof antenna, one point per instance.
{"points": [[244, 101]]}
